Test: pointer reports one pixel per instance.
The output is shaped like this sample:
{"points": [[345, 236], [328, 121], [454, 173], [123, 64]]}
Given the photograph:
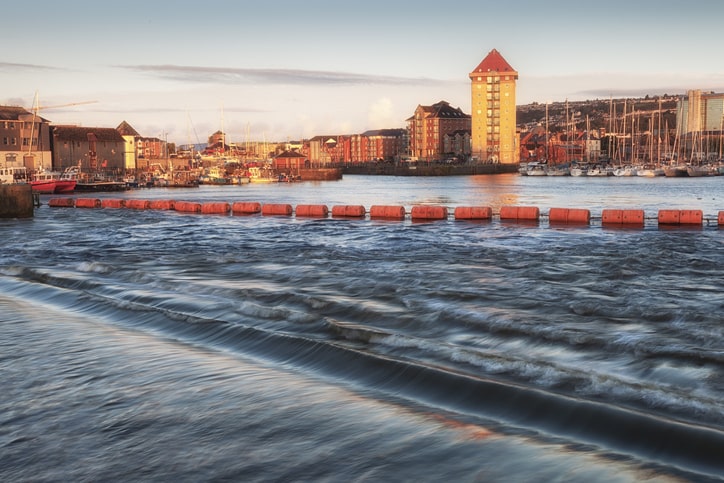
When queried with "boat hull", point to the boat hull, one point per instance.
{"points": [[43, 187], [65, 186]]}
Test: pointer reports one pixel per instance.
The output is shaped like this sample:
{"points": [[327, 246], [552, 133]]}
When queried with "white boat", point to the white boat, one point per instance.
{"points": [[536, 169], [598, 171], [14, 175], [263, 175], [579, 171], [624, 171], [558, 171], [650, 171]]}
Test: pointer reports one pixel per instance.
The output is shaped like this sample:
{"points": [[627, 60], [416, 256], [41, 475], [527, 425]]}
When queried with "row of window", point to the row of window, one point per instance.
{"points": [[10, 125]]}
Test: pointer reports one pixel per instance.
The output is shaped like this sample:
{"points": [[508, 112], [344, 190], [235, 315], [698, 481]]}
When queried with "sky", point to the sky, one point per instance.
{"points": [[278, 70]]}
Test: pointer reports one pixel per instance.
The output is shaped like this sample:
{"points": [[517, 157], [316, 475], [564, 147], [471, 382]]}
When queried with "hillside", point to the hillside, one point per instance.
{"points": [[599, 112]]}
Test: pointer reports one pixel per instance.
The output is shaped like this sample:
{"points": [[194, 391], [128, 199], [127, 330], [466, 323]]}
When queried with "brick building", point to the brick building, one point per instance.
{"points": [[429, 126]]}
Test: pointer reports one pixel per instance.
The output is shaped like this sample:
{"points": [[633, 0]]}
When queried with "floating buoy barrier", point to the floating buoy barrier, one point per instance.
{"points": [[680, 217], [473, 213], [314, 211], [187, 207], [387, 212], [113, 203], [569, 216], [245, 208], [87, 203], [62, 202], [609, 217], [138, 204], [520, 213], [161, 205], [349, 211], [215, 208], [427, 212], [622, 217], [276, 209]]}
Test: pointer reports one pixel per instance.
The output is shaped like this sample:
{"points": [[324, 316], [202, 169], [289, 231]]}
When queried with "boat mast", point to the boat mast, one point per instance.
{"points": [[547, 136]]}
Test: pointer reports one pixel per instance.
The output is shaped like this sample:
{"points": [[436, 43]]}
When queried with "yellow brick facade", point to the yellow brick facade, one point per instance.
{"points": [[494, 134]]}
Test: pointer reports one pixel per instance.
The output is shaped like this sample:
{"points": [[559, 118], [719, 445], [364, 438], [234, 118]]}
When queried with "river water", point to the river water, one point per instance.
{"points": [[156, 346]]}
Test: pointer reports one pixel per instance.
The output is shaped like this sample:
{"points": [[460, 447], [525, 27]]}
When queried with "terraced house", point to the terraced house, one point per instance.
{"points": [[24, 139]]}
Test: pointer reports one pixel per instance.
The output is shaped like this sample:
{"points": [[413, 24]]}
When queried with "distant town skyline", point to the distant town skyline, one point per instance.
{"points": [[280, 69]]}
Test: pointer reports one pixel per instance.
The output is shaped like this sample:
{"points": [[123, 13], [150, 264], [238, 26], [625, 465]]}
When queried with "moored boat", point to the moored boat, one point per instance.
{"points": [[697, 171], [13, 175], [676, 171], [43, 182], [67, 180]]}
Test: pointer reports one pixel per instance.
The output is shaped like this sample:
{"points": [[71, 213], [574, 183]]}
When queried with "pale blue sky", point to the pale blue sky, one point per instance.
{"points": [[283, 69]]}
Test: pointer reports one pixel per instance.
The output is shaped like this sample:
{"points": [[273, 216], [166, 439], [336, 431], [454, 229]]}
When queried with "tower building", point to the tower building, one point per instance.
{"points": [[493, 135]]}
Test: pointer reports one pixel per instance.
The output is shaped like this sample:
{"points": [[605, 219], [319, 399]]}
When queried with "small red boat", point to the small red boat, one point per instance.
{"points": [[66, 182], [47, 182], [43, 182]]}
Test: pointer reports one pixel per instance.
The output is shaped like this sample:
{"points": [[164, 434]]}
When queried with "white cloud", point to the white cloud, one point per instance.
{"points": [[382, 114]]}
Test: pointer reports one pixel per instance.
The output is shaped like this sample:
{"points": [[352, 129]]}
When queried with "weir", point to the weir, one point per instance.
{"points": [[507, 213]]}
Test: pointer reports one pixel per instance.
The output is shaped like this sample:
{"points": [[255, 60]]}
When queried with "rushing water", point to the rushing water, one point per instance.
{"points": [[155, 345]]}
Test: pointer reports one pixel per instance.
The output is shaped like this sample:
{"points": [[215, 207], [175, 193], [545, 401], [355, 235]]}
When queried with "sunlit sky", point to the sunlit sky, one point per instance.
{"points": [[279, 70]]}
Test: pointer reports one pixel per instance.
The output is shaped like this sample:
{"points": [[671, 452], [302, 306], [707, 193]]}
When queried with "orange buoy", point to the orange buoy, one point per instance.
{"points": [[245, 208], [61, 202], [349, 211], [569, 216], [215, 208], [276, 209], [87, 203], [317, 211], [187, 207], [137, 204], [680, 217], [521, 213], [425, 212], [622, 217], [720, 218], [113, 203], [473, 213], [387, 212], [160, 205]]}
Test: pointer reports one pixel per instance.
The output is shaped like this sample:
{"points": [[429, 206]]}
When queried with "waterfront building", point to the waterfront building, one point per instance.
{"points": [[378, 145], [494, 130], [131, 137], [699, 111], [290, 162], [24, 139], [90, 148], [457, 144], [429, 126], [328, 149]]}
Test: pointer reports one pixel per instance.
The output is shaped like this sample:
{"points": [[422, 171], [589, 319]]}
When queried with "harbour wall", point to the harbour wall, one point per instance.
{"points": [[428, 169], [16, 201]]}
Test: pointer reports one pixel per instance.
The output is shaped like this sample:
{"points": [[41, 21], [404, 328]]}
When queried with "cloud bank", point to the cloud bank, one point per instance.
{"points": [[224, 75]]}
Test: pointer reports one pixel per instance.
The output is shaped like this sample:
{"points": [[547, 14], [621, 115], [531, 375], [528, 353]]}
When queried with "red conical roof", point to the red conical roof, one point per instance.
{"points": [[493, 62]]}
